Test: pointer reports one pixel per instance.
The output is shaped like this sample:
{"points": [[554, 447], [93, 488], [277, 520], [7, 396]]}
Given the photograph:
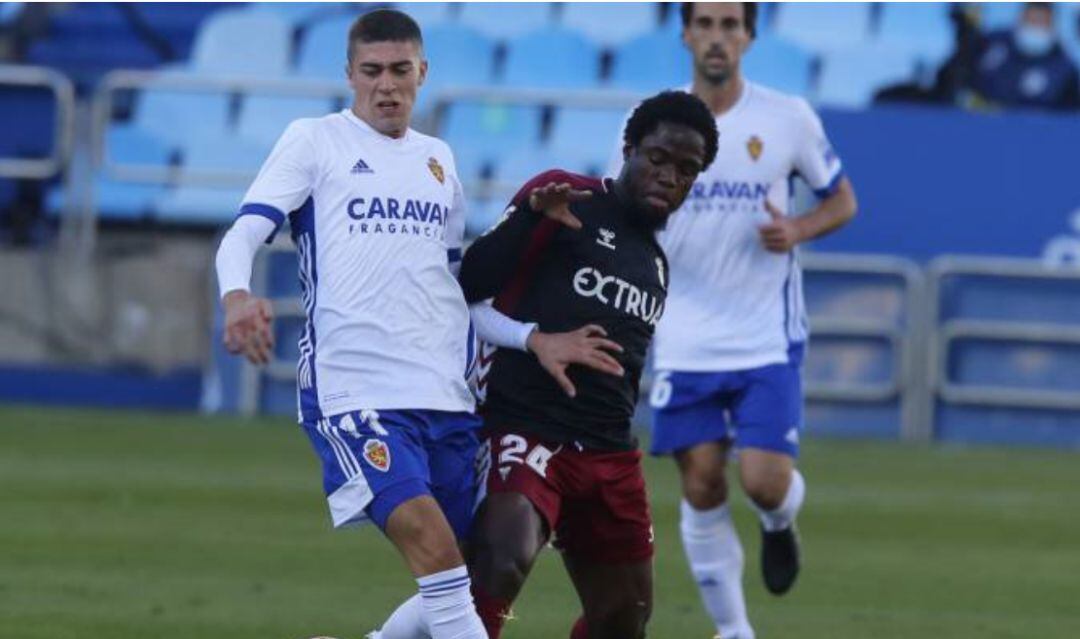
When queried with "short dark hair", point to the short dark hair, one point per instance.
{"points": [[675, 107], [384, 25], [749, 16]]}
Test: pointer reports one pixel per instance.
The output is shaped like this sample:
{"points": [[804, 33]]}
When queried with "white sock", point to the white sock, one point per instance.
{"points": [[448, 605], [716, 561], [784, 514], [407, 622]]}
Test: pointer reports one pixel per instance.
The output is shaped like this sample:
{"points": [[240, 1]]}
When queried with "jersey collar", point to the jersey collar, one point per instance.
{"points": [[351, 117]]}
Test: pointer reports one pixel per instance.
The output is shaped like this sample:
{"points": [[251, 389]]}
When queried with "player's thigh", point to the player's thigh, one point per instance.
{"points": [[688, 410], [606, 518], [616, 598], [508, 534], [452, 458], [520, 505]]}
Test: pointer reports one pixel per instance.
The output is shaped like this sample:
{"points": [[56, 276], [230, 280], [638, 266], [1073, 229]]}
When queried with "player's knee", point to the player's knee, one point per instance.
{"points": [[705, 489], [767, 492], [429, 549], [498, 568], [624, 619]]}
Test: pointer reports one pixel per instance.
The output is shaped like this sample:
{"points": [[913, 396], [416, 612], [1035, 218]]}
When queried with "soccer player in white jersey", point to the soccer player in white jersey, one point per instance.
{"points": [[375, 209], [727, 353]]}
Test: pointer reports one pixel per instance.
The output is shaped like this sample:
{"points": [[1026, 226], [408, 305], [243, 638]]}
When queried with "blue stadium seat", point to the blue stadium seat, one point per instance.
{"points": [[175, 116], [779, 64], [429, 14], [609, 24], [263, 118], [323, 49], [506, 20], [457, 56], [29, 115], [878, 298], [847, 360], [10, 11], [586, 138], [849, 78], [488, 129], [127, 144], [650, 63], [1026, 365], [112, 199], [483, 214], [298, 14], [210, 204], [554, 58], [919, 27], [1018, 299], [86, 56], [179, 22], [198, 205], [242, 41], [473, 162], [518, 165], [999, 15], [820, 26]]}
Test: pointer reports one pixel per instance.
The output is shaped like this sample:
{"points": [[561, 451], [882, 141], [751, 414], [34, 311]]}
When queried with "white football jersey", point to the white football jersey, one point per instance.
{"points": [[732, 305], [375, 220]]}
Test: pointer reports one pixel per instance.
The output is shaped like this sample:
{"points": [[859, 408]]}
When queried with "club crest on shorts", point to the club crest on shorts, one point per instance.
{"points": [[755, 146], [377, 453], [436, 170]]}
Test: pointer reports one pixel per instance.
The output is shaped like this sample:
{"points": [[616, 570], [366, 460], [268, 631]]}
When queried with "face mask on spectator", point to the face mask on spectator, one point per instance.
{"points": [[1034, 41]]}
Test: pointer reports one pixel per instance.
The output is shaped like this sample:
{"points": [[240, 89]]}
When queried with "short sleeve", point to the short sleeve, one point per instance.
{"points": [[286, 178], [815, 159]]}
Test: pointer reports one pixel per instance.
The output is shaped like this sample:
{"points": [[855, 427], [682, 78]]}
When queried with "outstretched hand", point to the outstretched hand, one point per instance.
{"points": [[248, 331], [586, 346], [553, 200], [781, 234]]}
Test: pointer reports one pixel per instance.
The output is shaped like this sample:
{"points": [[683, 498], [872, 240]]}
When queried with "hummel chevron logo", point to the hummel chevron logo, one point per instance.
{"points": [[361, 167]]}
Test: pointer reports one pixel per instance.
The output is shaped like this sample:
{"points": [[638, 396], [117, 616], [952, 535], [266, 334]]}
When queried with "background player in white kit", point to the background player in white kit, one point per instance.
{"points": [[375, 210], [729, 348]]}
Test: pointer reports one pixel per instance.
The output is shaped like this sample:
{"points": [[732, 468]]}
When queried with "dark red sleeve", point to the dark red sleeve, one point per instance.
{"points": [[501, 262]]}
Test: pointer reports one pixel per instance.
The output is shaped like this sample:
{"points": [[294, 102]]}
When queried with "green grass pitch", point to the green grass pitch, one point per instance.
{"points": [[147, 526]]}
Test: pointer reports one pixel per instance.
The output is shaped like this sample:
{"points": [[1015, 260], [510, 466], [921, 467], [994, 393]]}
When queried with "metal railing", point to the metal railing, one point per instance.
{"points": [[906, 339], [63, 126], [951, 331]]}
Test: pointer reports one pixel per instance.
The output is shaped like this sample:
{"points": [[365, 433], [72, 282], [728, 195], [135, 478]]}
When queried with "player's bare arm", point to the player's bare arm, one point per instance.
{"points": [[784, 233], [248, 322]]}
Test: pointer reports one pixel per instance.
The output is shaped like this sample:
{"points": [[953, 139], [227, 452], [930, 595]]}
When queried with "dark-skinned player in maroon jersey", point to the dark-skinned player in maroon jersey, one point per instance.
{"points": [[574, 252]]}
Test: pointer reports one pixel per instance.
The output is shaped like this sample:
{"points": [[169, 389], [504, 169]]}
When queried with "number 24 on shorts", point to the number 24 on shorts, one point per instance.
{"points": [[514, 446]]}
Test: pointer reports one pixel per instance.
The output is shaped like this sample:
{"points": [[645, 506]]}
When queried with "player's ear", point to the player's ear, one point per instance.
{"points": [[423, 72]]}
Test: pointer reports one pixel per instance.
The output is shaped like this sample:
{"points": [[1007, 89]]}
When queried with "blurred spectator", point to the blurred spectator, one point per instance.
{"points": [[1027, 66], [1022, 67]]}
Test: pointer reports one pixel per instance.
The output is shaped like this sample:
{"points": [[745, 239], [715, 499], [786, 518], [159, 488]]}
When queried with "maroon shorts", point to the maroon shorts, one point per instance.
{"points": [[594, 501]]}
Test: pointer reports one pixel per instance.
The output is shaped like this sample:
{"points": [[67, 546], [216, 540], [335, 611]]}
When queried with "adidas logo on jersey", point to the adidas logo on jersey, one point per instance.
{"points": [[361, 167]]}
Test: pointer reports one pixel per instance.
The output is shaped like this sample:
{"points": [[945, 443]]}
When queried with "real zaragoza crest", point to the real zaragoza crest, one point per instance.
{"points": [[755, 146], [436, 170]]}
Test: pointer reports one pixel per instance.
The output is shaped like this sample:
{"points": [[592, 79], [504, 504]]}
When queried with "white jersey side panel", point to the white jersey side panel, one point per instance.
{"points": [[733, 305], [375, 220]]}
